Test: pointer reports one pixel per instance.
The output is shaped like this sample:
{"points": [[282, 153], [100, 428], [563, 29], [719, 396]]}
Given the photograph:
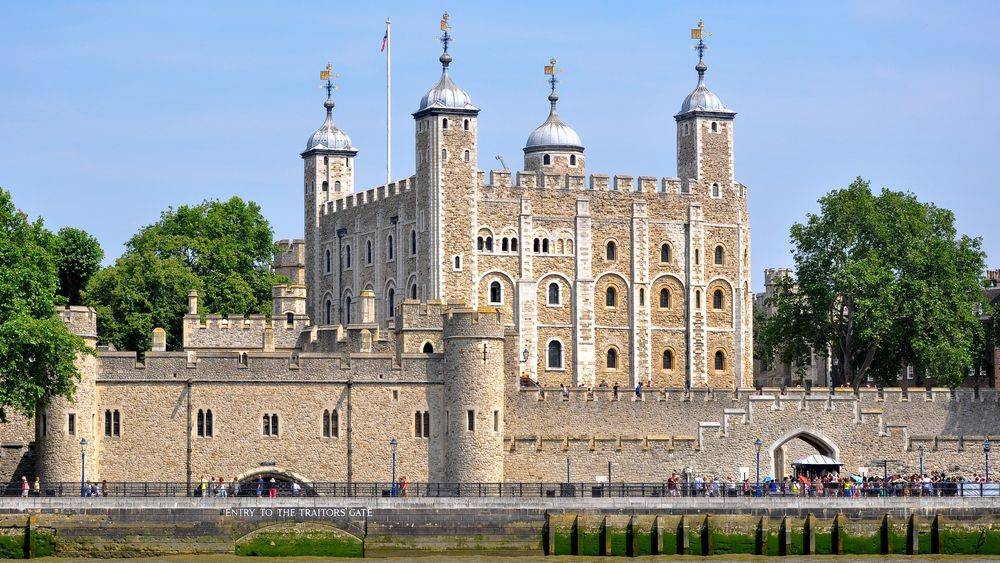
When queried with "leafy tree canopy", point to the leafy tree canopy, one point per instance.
{"points": [[78, 256], [37, 351], [229, 245], [881, 281]]}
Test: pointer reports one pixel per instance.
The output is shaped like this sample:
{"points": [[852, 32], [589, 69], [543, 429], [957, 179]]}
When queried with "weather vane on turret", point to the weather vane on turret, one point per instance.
{"points": [[446, 37], [551, 70], [700, 34], [328, 76]]}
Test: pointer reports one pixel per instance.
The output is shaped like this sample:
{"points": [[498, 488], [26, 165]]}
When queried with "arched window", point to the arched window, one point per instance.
{"points": [[347, 257], [569, 245], [458, 262], [326, 186], [546, 160], [489, 244], [553, 293], [413, 242], [554, 356], [390, 252], [413, 291], [428, 348], [444, 123], [715, 127], [715, 190], [290, 318], [334, 424], [668, 359], [572, 160], [720, 360], [480, 243], [720, 255], [560, 246], [201, 422], [496, 293], [664, 298], [326, 423], [537, 246], [697, 299], [336, 185], [612, 358], [504, 244], [467, 156], [209, 431], [545, 245], [270, 426], [326, 161], [347, 309], [243, 359], [611, 297], [327, 312], [390, 303], [717, 299], [513, 244], [368, 252], [611, 250], [328, 266], [642, 296], [465, 124], [444, 154], [664, 252], [418, 424]]}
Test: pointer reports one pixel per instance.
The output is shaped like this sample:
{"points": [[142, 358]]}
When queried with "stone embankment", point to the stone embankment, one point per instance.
{"points": [[129, 527]]}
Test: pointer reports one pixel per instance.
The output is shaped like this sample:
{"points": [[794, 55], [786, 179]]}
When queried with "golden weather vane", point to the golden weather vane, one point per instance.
{"points": [[444, 22], [700, 33], [551, 70], [327, 75]]}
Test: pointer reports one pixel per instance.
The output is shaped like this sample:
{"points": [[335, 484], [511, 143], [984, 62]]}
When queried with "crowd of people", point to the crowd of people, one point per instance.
{"points": [[829, 484], [212, 487]]}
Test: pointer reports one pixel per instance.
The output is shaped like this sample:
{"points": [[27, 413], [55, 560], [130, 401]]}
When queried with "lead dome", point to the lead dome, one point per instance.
{"points": [[329, 136]]}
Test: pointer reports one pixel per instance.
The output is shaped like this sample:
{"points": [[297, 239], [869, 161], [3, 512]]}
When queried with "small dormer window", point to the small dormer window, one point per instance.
{"points": [[546, 160], [572, 160]]}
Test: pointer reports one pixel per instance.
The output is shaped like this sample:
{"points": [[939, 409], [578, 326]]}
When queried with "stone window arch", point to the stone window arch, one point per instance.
{"points": [[427, 348], [545, 246], [664, 253], [413, 290], [553, 293], [290, 318], [413, 242], [611, 250], [664, 298], [611, 297], [347, 257], [720, 255], [336, 185], [537, 247], [326, 186], [546, 160], [720, 360], [513, 244], [572, 160], [369, 254], [496, 293], [328, 267], [611, 358], [467, 156], [716, 192], [668, 359], [390, 303], [554, 355], [642, 296], [390, 248], [327, 311], [457, 261], [444, 123], [347, 309], [718, 299], [715, 127], [465, 124]]}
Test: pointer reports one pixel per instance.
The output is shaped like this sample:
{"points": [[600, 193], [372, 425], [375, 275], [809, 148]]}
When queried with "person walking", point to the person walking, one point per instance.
{"points": [[24, 486], [236, 487], [614, 390], [272, 491], [638, 390], [260, 487], [38, 486]]}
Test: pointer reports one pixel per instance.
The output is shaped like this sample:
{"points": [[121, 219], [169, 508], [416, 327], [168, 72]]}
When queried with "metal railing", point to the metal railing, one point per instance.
{"points": [[708, 490]]}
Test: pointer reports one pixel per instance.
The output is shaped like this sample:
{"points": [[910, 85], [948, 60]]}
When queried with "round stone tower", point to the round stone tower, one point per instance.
{"points": [[61, 426], [473, 395]]}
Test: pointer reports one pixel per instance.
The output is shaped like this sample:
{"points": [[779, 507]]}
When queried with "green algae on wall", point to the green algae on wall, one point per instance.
{"points": [[283, 543]]}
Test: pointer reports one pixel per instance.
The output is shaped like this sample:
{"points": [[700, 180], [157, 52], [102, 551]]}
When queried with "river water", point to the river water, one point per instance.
{"points": [[529, 559]]}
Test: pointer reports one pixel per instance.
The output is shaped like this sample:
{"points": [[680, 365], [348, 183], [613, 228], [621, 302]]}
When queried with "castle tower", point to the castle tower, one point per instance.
{"points": [[446, 153], [705, 137], [329, 175], [62, 425], [473, 395], [554, 147]]}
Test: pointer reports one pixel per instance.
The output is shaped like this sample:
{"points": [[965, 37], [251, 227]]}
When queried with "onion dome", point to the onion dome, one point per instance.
{"points": [[446, 94], [328, 136], [702, 99], [553, 133]]}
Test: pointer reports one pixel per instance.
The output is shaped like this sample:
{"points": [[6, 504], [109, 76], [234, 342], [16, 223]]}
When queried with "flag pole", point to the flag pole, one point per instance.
{"points": [[387, 47]]}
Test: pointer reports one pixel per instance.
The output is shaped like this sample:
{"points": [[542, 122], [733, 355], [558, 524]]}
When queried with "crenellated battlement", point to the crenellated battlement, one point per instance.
{"points": [[372, 195], [80, 320], [463, 322], [243, 333], [595, 182]]}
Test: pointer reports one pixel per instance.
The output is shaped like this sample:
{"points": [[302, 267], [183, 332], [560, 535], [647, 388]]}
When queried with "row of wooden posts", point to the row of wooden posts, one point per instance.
{"points": [[705, 523]]}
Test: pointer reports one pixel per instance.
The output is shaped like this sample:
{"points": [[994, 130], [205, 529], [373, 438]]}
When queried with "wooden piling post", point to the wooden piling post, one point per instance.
{"points": [[912, 543], [760, 537], [809, 535], [706, 537], [683, 542], [936, 531], [656, 538], [605, 538], [885, 542], [784, 538], [837, 535], [574, 536]]}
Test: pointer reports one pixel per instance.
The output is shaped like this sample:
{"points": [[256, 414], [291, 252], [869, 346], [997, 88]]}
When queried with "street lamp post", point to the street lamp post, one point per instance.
{"points": [[758, 442], [986, 454], [83, 466], [392, 444], [920, 448]]}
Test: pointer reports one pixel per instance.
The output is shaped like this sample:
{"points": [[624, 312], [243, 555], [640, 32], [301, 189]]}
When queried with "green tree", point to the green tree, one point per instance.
{"points": [[883, 281], [139, 293], [229, 245], [79, 257], [37, 351]]}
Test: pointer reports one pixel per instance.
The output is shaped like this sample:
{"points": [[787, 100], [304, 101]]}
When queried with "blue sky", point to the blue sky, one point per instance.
{"points": [[112, 111]]}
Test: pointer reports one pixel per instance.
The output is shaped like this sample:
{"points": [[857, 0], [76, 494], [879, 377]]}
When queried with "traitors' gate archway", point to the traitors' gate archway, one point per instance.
{"points": [[781, 449]]}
